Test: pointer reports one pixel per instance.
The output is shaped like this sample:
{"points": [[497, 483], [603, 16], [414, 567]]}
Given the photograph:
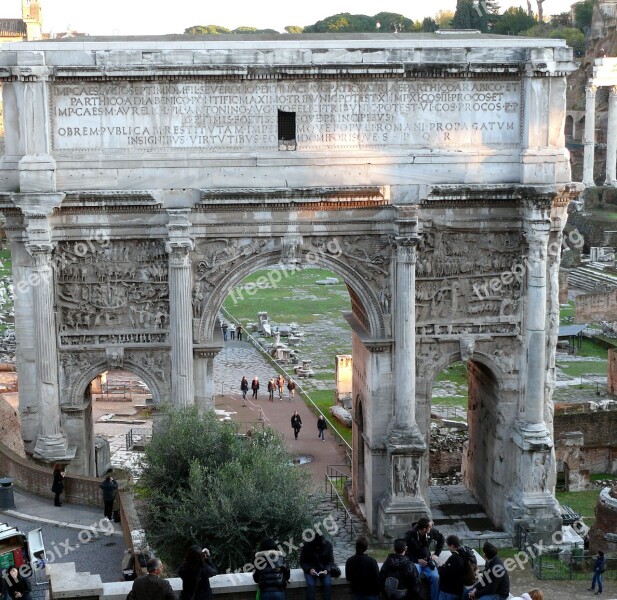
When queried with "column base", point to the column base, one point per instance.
{"points": [[532, 436], [53, 449], [539, 514], [396, 515]]}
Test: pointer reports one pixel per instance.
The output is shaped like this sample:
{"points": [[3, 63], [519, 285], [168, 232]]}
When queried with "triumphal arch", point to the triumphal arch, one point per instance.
{"points": [[143, 179]]}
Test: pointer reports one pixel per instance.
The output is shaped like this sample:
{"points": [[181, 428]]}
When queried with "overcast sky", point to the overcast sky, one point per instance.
{"points": [[141, 17]]}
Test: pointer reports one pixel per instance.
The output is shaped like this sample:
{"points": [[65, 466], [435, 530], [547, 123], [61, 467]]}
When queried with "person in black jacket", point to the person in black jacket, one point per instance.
{"points": [[271, 571], [296, 423], [362, 572], [195, 572], [316, 560], [494, 582], [17, 586], [152, 586], [451, 574], [109, 487], [398, 577], [418, 540], [57, 487]]}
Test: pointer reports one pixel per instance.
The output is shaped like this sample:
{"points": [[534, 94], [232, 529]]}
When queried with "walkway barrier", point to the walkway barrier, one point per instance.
{"points": [[335, 484], [570, 565], [138, 437], [342, 442]]}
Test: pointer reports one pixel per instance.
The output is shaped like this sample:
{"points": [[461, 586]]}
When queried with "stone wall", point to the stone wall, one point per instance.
{"points": [[598, 306], [599, 427], [35, 479], [612, 372], [9, 428]]}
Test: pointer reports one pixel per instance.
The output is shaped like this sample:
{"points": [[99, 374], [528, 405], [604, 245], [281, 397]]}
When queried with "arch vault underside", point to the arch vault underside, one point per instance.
{"points": [[140, 186]]}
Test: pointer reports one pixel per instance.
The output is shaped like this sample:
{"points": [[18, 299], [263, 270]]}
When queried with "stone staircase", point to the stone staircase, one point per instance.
{"points": [[593, 277]]}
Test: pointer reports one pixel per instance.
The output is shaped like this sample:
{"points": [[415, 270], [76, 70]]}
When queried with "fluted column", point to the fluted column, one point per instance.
{"points": [[611, 140], [589, 139], [181, 322], [405, 335], [535, 319], [51, 443]]}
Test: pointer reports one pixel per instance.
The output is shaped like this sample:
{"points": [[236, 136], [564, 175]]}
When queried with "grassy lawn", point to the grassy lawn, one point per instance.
{"points": [[567, 313], [293, 298], [576, 369], [456, 373], [588, 348], [583, 503], [324, 399]]}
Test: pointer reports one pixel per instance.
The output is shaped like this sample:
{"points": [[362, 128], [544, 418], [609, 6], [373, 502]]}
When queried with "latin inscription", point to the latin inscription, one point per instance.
{"points": [[243, 116]]}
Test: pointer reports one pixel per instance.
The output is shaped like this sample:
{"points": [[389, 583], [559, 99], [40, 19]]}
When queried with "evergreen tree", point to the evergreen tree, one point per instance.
{"points": [[463, 16]]}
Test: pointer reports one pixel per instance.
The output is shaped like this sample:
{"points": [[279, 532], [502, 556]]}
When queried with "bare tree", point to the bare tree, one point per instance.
{"points": [[529, 10], [540, 11]]}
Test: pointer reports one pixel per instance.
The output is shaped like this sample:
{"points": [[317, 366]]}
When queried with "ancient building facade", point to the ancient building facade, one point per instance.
{"points": [[143, 180]]}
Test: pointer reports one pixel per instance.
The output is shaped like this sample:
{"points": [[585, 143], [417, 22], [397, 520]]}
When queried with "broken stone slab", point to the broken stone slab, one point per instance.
{"points": [[342, 415]]}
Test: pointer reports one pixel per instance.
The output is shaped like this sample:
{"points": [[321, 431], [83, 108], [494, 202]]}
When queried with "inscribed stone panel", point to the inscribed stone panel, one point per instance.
{"points": [[243, 116]]}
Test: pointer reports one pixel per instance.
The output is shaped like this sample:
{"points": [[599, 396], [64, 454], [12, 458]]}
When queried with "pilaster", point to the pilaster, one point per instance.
{"points": [[203, 370]]}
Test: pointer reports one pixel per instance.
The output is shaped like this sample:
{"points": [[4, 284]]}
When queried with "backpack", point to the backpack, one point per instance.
{"points": [[391, 589], [470, 565]]}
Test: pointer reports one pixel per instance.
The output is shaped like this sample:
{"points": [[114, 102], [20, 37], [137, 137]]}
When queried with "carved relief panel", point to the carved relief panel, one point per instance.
{"points": [[112, 293], [406, 476], [469, 283]]}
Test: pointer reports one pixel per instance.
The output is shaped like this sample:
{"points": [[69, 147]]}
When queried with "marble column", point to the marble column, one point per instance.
{"points": [[51, 444], [181, 322], [589, 138], [204, 376], [611, 140], [535, 320]]}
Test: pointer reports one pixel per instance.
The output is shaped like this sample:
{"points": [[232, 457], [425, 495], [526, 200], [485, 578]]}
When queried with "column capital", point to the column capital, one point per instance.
{"points": [[41, 254], [590, 90], [613, 90], [179, 251], [406, 248]]}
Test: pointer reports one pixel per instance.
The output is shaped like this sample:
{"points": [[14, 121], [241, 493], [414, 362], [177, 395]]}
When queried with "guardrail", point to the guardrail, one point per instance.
{"points": [[340, 439], [138, 436], [336, 479]]}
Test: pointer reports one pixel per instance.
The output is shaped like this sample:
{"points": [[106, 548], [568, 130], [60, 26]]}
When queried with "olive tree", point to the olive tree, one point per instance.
{"points": [[203, 483]]}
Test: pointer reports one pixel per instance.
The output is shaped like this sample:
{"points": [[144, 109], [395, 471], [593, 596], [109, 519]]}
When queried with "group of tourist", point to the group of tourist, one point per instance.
{"points": [[398, 578], [233, 331], [275, 384]]}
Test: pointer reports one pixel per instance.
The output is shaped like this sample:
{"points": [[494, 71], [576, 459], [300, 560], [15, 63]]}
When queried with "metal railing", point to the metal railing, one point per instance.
{"points": [[340, 439], [335, 483], [572, 565], [138, 436]]}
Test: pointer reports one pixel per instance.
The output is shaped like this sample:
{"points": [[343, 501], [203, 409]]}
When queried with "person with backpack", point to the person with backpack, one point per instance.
{"points": [[362, 572], [398, 577], [271, 572], [419, 539], [457, 572], [599, 566]]}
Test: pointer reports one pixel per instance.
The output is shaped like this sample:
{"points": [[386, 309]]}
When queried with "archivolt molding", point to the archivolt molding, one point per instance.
{"points": [[364, 262], [80, 368]]}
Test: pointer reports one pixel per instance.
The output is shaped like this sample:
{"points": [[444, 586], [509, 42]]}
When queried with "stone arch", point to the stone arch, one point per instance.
{"points": [[371, 311], [482, 469], [81, 383]]}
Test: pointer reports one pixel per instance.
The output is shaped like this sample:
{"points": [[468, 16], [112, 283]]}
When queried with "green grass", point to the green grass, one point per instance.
{"points": [[602, 214], [456, 373], [576, 369], [601, 476], [583, 503], [324, 399], [588, 348], [295, 298], [450, 401]]}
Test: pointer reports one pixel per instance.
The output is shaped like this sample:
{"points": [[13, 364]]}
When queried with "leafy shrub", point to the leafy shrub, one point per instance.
{"points": [[204, 484]]}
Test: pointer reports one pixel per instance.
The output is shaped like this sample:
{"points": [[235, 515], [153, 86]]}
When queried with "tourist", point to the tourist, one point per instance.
{"points": [[418, 540], [195, 572], [321, 427], [362, 571], [57, 487], [599, 566], [534, 594], [398, 577], [291, 388], [494, 582], [224, 327], [280, 384], [316, 560], [152, 586], [271, 572], [232, 331], [244, 387], [296, 423], [18, 586], [255, 387], [271, 388], [110, 488], [239, 332], [452, 573]]}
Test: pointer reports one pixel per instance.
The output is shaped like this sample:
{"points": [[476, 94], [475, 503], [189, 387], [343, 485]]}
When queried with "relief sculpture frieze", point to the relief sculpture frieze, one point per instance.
{"points": [[113, 293], [460, 287]]}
